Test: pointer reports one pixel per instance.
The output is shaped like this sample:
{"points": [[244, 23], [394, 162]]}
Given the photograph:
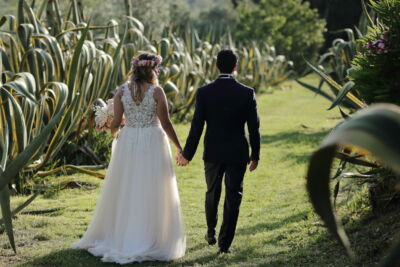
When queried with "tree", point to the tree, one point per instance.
{"points": [[290, 25], [339, 14]]}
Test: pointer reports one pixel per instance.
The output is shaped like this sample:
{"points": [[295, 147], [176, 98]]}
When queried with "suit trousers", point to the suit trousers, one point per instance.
{"points": [[234, 173]]}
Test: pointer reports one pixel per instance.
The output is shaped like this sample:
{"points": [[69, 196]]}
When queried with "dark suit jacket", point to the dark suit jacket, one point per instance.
{"points": [[226, 106]]}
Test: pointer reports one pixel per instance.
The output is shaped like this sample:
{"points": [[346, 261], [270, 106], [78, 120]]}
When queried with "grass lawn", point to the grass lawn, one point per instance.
{"points": [[276, 225]]}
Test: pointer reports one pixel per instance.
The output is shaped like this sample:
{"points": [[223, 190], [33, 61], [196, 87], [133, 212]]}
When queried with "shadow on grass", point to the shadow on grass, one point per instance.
{"points": [[289, 140], [77, 258], [297, 158], [261, 227], [280, 250], [241, 257], [295, 137]]}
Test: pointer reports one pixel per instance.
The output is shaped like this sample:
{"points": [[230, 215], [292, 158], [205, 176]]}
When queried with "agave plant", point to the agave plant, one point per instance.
{"points": [[48, 86], [372, 131], [48, 70], [337, 62]]}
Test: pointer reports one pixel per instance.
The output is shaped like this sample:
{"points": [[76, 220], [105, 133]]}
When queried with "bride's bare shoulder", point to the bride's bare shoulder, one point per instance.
{"points": [[120, 89], [158, 92]]}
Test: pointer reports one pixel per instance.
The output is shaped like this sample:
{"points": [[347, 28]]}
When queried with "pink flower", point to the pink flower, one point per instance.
{"points": [[381, 45], [379, 51], [158, 59]]}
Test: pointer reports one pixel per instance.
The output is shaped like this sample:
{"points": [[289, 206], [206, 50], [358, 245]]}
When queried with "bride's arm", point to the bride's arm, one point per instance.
{"points": [[118, 112], [163, 116]]}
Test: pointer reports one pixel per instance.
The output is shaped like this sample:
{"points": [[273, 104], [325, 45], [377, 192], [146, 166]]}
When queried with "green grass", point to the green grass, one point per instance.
{"points": [[276, 225]]}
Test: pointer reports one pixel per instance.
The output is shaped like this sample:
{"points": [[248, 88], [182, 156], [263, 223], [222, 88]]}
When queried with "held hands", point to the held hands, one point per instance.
{"points": [[180, 159]]}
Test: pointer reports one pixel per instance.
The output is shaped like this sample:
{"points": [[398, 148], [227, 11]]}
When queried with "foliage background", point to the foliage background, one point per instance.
{"points": [[289, 25]]}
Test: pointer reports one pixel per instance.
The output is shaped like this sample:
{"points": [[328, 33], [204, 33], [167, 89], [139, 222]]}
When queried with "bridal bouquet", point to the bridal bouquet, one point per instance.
{"points": [[104, 115]]}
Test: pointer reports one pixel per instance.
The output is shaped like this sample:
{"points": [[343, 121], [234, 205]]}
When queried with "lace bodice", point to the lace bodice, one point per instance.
{"points": [[140, 115]]}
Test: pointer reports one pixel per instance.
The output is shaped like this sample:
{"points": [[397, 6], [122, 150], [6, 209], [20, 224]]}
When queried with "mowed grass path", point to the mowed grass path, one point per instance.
{"points": [[276, 225]]}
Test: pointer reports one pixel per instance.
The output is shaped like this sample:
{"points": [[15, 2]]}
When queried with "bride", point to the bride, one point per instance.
{"points": [[138, 217]]}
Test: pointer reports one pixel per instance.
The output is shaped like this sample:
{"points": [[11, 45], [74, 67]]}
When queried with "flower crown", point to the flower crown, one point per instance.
{"points": [[136, 62]]}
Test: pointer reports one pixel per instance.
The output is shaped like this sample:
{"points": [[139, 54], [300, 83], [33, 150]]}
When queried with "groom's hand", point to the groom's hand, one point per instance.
{"points": [[253, 165]]}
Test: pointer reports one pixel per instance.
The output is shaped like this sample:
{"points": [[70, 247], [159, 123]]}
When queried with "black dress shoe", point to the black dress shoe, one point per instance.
{"points": [[210, 240], [224, 251]]}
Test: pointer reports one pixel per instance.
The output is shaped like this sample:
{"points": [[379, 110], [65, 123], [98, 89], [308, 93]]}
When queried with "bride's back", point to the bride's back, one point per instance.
{"points": [[142, 114]]}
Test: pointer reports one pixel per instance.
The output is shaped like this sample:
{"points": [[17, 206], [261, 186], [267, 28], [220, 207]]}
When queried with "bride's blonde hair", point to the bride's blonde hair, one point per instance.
{"points": [[143, 69]]}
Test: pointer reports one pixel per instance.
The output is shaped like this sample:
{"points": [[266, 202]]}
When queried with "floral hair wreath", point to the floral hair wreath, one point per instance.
{"points": [[136, 62]]}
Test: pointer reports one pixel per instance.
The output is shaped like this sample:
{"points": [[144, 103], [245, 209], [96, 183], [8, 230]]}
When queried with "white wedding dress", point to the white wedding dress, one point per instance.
{"points": [[138, 216]]}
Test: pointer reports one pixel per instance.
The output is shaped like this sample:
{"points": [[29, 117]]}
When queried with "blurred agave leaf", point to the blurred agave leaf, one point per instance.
{"points": [[373, 130], [170, 89], [137, 23], [150, 48], [173, 71], [164, 48]]}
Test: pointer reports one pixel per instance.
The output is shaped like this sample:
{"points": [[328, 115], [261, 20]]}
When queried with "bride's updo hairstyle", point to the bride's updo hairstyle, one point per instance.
{"points": [[143, 69]]}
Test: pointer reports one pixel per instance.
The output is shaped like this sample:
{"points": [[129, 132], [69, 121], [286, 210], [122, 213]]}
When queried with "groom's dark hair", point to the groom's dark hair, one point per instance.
{"points": [[226, 61]]}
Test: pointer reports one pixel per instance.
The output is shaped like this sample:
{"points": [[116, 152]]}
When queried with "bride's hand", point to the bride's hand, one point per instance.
{"points": [[178, 154], [115, 133], [180, 159]]}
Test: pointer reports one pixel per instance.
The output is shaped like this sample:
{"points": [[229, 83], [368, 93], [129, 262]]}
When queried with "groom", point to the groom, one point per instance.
{"points": [[226, 106]]}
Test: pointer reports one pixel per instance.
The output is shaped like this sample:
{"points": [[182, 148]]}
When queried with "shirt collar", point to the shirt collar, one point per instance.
{"points": [[226, 76]]}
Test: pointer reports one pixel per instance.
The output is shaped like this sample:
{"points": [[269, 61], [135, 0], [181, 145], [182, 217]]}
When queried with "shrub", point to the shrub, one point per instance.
{"points": [[291, 26], [375, 69]]}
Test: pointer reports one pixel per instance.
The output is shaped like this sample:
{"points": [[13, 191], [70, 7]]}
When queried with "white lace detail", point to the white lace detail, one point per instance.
{"points": [[140, 115]]}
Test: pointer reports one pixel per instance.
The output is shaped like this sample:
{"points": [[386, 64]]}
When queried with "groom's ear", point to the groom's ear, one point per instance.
{"points": [[235, 68]]}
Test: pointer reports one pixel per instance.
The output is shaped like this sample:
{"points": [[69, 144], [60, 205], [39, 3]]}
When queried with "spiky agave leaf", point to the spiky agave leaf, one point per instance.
{"points": [[375, 131]]}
